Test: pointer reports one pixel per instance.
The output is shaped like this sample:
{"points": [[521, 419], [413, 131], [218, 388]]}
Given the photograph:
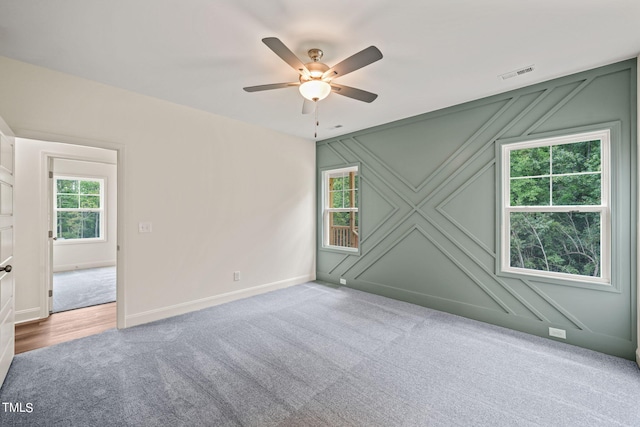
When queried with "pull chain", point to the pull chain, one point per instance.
{"points": [[315, 135]]}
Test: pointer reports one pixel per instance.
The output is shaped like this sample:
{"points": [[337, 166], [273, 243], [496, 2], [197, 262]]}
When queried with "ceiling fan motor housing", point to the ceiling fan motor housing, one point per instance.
{"points": [[316, 70]]}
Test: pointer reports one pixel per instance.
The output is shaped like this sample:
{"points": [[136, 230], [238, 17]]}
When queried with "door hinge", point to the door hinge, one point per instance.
{"points": [[50, 293], [50, 234], [50, 174]]}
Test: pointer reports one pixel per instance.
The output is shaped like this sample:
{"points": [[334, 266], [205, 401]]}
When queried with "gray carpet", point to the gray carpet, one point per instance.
{"points": [[313, 355], [83, 288]]}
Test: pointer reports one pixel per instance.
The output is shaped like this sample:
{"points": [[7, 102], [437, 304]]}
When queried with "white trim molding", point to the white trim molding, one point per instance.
{"points": [[602, 209], [85, 265], [28, 315], [189, 306]]}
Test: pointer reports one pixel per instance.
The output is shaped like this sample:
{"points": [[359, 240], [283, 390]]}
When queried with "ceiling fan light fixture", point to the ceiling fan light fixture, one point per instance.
{"points": [[316, 69], [315, 90]]}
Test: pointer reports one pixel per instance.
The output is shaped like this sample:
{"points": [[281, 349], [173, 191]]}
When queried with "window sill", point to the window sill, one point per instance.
{"points": [[342, 250], [65, 242], [597, 284]]}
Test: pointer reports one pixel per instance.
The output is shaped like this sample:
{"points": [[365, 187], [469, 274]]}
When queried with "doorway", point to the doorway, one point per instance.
{"points": [[36, 161], [34, 169], [82, 214]]}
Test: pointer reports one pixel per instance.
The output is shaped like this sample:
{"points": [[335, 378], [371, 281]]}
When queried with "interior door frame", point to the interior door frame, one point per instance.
{"points": [[120, 149]]}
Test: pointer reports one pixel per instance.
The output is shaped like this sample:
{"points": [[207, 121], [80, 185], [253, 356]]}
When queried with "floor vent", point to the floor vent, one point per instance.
{"points": [[516, 73]]}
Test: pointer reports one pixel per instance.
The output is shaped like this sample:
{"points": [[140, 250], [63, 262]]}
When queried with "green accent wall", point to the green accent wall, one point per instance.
{"points": [[428, 210]]}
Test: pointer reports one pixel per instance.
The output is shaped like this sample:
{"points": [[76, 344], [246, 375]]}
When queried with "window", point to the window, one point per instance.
{"points": [[555, 207], [79, 208], [340, 208]]}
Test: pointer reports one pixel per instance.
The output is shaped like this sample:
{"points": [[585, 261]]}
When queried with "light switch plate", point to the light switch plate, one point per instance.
{"points": [[144, 227]]}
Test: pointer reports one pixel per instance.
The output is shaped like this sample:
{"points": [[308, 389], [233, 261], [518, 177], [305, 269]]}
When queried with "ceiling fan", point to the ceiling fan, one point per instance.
{"points": [[316, 79]]}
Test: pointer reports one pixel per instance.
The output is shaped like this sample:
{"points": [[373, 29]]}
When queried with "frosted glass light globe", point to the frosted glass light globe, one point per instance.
{"points": [[315, 90]]}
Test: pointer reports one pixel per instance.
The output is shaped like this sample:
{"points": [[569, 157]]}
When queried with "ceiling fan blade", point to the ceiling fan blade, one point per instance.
{"points": [[269, 87], [308, 107], [354, 62], [352, 92], [285, 53]]}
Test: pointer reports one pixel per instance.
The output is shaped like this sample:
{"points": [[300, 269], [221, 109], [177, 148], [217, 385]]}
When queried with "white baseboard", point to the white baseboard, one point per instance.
{"points": [[186, 307], [28, 315], [82, 266]]}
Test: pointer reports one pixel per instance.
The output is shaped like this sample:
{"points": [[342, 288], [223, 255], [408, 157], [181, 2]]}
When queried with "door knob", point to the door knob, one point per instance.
{"points": [[7, 268]]}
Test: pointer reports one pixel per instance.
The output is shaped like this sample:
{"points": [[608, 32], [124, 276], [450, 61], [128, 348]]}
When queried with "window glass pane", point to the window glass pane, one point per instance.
{"points": [[576, 190], [529, 192], [67, 186], [337, 183], [78, 225], [90, 202], [529, 162], [341, 230], [68, 201], [577, 157], [89, 187], [558, 242], [336, 199], [347, 197], [340, 219]]}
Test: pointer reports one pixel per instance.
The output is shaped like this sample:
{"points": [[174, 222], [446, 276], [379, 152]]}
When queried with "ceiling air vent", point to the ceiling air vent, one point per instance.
{"points": [[516, 73]]}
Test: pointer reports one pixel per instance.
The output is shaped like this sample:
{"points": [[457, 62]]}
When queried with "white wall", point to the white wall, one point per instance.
{"points": [[75, 255], [221, 195]]}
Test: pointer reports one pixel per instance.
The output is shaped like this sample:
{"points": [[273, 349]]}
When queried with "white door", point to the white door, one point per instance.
{"points": [[49, 266], [7, 327]]}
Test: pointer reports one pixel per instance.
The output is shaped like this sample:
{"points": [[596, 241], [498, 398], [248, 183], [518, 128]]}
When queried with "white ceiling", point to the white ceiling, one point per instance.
{"points": [[201, 53]]}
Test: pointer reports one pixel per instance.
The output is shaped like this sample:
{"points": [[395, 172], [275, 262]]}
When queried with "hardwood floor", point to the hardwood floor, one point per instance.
{"points": [[65, 326]]}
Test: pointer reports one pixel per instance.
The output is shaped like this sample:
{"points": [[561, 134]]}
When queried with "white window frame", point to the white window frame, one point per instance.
{"points": [[101, 210], [326, 210], [604, 208]]}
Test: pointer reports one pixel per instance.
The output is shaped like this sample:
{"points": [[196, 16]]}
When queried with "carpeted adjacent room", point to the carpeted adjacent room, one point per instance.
{"points": [[83, 288], [315, 355]]}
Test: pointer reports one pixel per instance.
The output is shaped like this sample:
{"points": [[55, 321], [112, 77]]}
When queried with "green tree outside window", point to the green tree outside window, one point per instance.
{"points": [[78, 208]]}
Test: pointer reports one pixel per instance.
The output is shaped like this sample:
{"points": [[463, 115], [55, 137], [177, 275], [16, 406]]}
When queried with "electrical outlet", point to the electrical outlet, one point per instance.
{"points": [[343, 281], [236, 276], [558, 333]]}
